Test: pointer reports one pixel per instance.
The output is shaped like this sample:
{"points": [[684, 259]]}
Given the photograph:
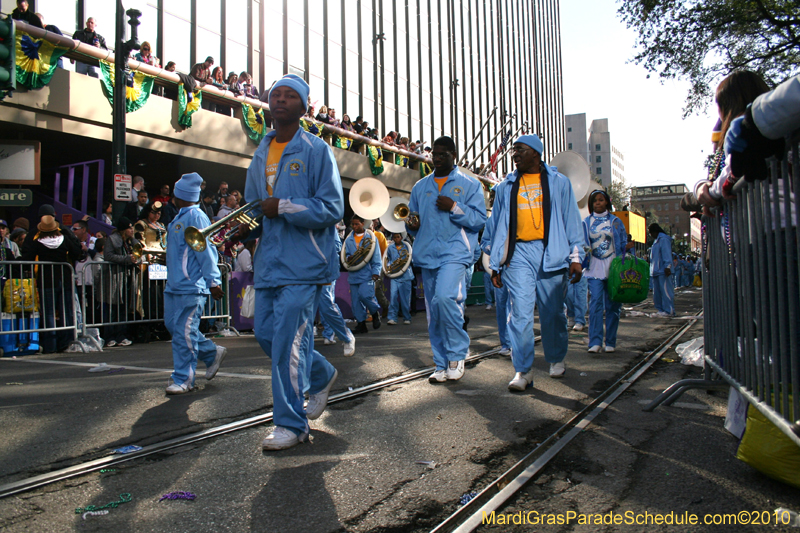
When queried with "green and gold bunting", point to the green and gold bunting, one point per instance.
{"points": [[311, 127], [424, 169], [401, 160], [138, 86], [37, 60], [342, 142], [375, 156], [188, 105], [254, 123]]}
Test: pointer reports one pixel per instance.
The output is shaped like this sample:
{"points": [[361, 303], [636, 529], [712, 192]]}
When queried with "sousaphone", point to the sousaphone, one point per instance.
{"points": [[576, 169], [394, 219], [369, 199], [397, 268]]}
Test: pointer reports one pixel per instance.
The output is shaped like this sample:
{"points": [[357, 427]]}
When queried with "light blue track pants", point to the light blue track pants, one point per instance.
{"points": [[445, 294], [528, 286], [601, 302], [576, 300], [284, 327], [501, 309], [182, 314], [488, 288], [400, 298], [362, 296], [664, 293], [331, 316]]}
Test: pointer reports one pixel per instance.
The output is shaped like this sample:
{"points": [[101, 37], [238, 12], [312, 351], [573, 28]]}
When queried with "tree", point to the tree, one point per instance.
{"points": [[620, 193], [704, 40]]}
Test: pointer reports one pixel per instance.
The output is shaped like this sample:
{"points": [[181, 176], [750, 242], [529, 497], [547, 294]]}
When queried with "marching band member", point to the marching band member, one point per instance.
{"points": [[192, 276], [536, 238], [362, 281], [661, 271], [294, 175], [500, 295], [451, 213], [400, 294], [606, 235], [329, 312]]}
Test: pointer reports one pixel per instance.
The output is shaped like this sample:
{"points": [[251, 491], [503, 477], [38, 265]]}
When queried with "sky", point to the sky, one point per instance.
{"points": [[644, 115]]}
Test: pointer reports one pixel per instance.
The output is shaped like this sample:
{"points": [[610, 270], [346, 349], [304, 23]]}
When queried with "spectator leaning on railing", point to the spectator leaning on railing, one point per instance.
{"points": [[91, 37]]}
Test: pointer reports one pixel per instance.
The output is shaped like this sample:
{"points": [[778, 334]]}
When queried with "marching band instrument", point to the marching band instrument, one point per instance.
{"points": [[218, 233], [394, 219], [397, 267], [152, 240], [362, 255], [369, 198], [576, 169]]}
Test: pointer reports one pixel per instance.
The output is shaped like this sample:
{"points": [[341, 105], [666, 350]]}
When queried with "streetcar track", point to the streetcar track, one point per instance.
{"points": [[468, 517]]}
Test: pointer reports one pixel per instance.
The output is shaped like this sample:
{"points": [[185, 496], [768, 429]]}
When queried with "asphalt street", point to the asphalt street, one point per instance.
{"points": [[395, 460]]}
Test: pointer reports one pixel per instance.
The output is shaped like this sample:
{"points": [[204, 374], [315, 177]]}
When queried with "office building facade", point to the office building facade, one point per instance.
{"points": [[606, 161]]}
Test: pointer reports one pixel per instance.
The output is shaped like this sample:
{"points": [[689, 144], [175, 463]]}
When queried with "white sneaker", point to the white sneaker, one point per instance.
{"points": [[570, 322], [392, 322], [350, 346], [124, 342], [594, 349], [521, 381], [505, 351], [489, 307], [455, 370], [211, 371], [609, 349], [174, 388], [662, 314], [328, 342], [407, 322], [557, 370], [111, 344], [317, 402], [578, 327], [440, 376], [280, 439]]}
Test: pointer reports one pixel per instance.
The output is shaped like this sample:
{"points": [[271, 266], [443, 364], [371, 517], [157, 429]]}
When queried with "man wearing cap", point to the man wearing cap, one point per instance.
{"points": [[295, 177], [118, 250], [537, 240], [451, 212], [192, 276], [202, 71]]}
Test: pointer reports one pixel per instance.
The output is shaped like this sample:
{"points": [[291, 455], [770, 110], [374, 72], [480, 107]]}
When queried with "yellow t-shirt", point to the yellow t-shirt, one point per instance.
{"points": [[440, 181], [381, 238], [358, 238], [273, 160], [530, 215]]}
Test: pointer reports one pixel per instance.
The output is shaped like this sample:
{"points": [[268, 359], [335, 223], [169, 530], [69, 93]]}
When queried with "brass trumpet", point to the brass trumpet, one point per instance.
{"points": [[139, 250], [217, 233]]}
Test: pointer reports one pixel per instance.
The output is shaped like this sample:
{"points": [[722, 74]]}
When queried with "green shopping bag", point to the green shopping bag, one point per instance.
{"points": [[628, 279]]}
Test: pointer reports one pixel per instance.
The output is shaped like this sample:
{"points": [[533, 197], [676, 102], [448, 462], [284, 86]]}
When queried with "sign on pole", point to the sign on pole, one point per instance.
{"points": [[16, 197], [123, 185]]}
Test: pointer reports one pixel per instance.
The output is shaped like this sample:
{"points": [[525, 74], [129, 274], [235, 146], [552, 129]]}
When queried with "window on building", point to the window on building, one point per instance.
{"points": [[569, 129], [599, 159], [569, 146], [677, 206], [599, 170], [597, 147], [658, 207]]}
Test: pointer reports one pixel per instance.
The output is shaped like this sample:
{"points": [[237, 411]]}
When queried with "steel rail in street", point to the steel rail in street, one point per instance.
{"points": [[117, 459], [498, 492]]}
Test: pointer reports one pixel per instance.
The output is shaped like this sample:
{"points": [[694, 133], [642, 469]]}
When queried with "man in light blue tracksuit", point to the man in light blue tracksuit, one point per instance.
{"points": [[401, 285], [329, 313], [451, 212], [362, 281], [537, 238], [295, 178], [192, 276], [500, 295], [661, 271]]}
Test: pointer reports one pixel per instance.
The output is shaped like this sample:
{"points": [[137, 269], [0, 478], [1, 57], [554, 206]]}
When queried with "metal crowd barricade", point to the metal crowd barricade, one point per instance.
{"points": [[751, 295], [39, 307], [128, 295]]}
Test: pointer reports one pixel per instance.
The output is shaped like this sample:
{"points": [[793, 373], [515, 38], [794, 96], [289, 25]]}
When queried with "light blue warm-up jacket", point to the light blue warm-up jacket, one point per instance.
{"points": [[661, 255], [310, 190], [449, 237], [392, 254], [363, 275], [190, 272], [564, 232]]}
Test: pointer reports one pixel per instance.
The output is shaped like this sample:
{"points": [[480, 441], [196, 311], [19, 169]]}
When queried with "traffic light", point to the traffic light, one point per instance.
{"points": [[8, 55]]}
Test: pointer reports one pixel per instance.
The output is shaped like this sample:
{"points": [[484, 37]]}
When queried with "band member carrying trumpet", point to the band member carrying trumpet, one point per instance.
{"points": [[451, 213], [362, 259], [295, 178], [192, 277]]}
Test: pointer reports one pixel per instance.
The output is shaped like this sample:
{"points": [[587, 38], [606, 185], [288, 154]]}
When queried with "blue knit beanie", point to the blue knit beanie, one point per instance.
{"points": [[531, 140], [188, 187], [293, 81]]}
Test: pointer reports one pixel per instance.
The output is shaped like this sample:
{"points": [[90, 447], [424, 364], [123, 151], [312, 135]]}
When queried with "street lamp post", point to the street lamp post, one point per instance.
{"points": [[121, 51]]}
